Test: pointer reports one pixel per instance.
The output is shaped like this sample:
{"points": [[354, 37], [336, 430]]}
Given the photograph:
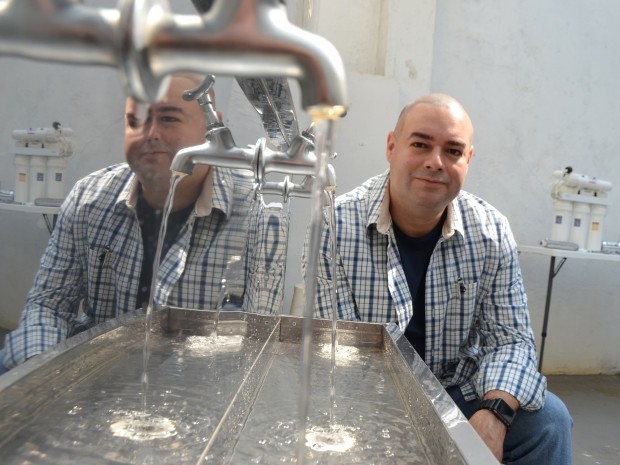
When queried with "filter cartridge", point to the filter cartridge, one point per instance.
{"points": [[581, 224], [595, 234], [22, 173], [55, 185], [36, 184], [562, 220]]}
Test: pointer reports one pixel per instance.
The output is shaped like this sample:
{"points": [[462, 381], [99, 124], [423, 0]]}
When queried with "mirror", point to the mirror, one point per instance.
{"points": [[90, 102]]}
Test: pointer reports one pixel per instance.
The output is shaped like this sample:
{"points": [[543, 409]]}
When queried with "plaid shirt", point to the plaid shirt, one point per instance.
{"points": [[478, 333], [94, 257]]}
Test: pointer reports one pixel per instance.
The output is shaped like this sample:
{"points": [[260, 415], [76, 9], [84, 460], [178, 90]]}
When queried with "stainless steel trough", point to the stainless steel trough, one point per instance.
{"points": [[230, 398]]}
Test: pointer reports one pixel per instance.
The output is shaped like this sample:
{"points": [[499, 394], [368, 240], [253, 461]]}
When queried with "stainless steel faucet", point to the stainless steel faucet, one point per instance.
{"points": [[242, 38], [248, 39]]}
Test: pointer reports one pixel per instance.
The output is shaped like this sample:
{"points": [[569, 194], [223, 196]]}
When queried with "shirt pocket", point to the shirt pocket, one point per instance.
{"points": [[101, 281], [461, 314]]}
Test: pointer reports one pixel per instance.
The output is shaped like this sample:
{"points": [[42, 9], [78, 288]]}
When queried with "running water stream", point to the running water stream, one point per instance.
{"points": [[136, 425], [174, 180], [317, 436]]}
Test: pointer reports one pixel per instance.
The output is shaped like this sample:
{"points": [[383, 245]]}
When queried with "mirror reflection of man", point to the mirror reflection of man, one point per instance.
{"points": [[101, 254]]}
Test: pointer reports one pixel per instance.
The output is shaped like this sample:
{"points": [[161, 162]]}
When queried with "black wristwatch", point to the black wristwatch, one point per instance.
{"points": [[500, 409]]}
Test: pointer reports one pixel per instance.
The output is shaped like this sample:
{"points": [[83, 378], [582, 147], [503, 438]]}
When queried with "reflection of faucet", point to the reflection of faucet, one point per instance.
{"points": [[220, 149], [287, 188], [201, 95], [249, 38]]}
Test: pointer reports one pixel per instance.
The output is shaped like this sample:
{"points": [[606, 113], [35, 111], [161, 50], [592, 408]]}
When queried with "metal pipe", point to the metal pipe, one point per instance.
{"points": [[60, 31]]}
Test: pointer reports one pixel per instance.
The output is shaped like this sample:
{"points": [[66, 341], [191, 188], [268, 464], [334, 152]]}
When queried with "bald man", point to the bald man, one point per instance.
{"points": [[441, 265]]}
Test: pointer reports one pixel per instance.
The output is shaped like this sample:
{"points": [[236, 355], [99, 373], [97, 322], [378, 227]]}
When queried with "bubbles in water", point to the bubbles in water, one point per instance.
{"points": [[75, 410], [200, 346], [345, 355], [140, 426], [333, 439]]}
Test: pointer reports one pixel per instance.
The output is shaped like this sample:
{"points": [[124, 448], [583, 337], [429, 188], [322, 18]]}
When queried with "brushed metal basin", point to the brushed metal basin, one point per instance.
{"points": [[230, 397]]}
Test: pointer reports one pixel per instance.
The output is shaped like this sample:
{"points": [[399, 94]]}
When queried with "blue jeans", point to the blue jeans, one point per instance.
{"points": [[535, 438]]}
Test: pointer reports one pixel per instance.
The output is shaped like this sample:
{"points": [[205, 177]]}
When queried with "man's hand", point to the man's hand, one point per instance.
{"points": [[489, 427], [491, 430]]}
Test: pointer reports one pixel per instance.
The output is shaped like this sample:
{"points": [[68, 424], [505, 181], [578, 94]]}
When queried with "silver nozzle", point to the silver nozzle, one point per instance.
{"points": [[218, 150]]}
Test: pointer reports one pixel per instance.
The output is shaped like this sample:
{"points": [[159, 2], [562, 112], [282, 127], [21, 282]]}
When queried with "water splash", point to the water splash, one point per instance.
{"points": [[140, 426]]}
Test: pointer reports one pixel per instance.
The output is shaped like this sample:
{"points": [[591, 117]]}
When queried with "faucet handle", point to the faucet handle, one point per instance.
{"points": [[201, 95]]}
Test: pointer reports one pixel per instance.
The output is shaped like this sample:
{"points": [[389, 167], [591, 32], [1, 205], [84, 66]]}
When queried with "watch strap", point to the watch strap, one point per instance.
{"points": [[504, 412]]}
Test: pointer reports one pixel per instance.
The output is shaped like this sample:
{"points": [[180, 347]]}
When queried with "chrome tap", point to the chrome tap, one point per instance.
{"points": [[202, 96], [219, 149], [288, 188], [299, 158], [242, 38]]}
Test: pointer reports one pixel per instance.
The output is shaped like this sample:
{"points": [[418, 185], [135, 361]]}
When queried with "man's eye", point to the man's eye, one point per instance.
{"points": [[418, 145], [169, 119], [455, 152], [132, 123]]}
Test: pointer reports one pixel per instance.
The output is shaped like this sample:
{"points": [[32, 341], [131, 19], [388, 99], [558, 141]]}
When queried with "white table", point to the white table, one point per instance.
{"points": [[553, 271], [29, 208]]}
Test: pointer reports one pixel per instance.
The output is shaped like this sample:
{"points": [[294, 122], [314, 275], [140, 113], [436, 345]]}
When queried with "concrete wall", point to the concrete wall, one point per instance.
{"points": [[536, 78]]}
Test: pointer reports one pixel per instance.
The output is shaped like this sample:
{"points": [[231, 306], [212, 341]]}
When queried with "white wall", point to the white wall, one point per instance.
{"points": [[540, 81], [536, 78]]}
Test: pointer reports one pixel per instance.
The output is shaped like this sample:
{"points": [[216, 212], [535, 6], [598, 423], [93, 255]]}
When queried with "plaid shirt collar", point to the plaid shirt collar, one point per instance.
{"points": [[216, 195], [379, 211]]}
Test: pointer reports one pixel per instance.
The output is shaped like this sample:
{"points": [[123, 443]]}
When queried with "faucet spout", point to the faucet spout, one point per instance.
{"points": [[59, 30], [242, 38], [218, 150]]}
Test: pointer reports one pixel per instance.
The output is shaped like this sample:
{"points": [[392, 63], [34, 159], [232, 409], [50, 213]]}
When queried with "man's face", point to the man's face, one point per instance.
{"points": [[429, 154], [155, 133]]}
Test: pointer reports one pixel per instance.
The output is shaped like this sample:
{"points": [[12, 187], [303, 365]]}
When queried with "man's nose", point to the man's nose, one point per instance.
{"points": [[153, 130], [434, 159]]}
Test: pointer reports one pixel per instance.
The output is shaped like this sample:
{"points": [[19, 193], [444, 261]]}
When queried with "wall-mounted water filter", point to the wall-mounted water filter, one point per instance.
{"points": [[40, 162]]}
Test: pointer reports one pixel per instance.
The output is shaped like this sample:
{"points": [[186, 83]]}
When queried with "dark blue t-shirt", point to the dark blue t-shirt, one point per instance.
{"points": [[150, 223], [415, 255]]}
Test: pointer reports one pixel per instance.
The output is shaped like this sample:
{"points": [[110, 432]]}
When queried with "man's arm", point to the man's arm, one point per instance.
{"points": [[489, 426], [509, 361], [53, 301]]}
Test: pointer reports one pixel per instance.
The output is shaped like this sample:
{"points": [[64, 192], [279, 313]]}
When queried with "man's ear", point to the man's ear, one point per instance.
{"points": [[470, 155], [391, 141]]}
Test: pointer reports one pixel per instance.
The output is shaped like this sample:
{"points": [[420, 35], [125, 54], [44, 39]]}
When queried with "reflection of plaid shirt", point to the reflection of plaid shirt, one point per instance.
{"points": [[95, 253], [478, 332]]}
